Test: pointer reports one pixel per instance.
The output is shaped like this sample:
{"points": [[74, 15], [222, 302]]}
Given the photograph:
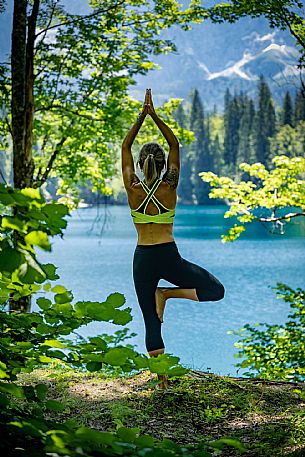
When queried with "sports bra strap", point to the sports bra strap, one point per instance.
{"points": [[165, 216], [153, 197], [150, 193]]}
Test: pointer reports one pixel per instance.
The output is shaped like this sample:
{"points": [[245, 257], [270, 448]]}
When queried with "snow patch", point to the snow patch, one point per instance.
{"points": [[267, 37], [236, 69], [282, 48], [204, 68]]}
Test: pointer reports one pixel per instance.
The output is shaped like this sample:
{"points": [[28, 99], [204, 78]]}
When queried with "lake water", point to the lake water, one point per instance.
{"points": [[94, 259]]}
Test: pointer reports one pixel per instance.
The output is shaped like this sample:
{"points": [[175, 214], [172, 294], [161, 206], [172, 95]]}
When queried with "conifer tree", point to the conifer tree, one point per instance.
{"points": [[200, 149], [264, 127], [185, 187], [216, 154], [299, 107], [231, 134], [287, 113], [245, 151]]}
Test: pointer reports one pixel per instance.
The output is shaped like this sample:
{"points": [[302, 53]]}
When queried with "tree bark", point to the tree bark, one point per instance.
{"points": [[22, 107], [29, 95], [18, 67]]}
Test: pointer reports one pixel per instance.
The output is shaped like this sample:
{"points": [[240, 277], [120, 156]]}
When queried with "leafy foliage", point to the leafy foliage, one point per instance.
{"points": [[35, 338], [30, 340], [263, 197], [83, 67], [275, 351]]}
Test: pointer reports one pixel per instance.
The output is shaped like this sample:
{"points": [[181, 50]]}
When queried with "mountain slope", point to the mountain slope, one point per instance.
{"points": [[214, 57], [210, 57]]}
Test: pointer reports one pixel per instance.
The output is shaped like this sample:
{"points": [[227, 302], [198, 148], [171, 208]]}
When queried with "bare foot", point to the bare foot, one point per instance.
{"points": [[160, 302], [163, 384]]}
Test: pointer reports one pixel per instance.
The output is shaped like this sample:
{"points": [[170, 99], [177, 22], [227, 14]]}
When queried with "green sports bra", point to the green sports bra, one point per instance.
{"points": [[165, 216]]}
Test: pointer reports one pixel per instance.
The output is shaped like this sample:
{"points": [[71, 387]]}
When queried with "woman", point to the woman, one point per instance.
{"points": [[152, 202]]}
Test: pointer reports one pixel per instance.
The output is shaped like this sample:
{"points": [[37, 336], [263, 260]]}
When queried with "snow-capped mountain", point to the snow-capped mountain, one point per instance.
{"points": [[211, 58], [214, 57]]}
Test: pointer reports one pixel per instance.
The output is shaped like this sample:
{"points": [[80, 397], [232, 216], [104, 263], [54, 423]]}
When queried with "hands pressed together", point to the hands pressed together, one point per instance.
{"points": [[148, 106]]}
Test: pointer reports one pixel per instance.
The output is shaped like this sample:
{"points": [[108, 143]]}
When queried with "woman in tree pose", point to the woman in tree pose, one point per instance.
{"points": [[152, 203]]}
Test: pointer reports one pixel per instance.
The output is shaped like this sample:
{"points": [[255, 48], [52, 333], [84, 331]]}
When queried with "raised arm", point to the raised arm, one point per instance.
{"points": [[173, 161], [128, 170]]}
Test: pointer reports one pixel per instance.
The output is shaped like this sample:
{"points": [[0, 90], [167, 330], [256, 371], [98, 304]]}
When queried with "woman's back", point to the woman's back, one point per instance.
{"points": [[153, 233]]}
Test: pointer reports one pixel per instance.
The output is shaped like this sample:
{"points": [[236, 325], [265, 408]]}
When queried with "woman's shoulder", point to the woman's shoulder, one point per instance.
{"points": [[171, 178]]}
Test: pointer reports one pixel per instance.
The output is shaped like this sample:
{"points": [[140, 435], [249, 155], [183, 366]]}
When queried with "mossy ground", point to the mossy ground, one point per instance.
{"points": [[268, 418]]}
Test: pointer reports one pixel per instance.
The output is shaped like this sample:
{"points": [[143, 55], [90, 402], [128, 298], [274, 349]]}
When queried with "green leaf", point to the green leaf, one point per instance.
{"points": [[229, 442], [122, 317], [177, 371], [53, 344], [13, 223], [44, 359], [32, 193], [144, 441], [64, 309], [94, 436], [50, 271], [4, 401], [162, 364], [44, 303], [58, 289], [3, 374], [6, 195], [12, 389], [80, 309], [54, 405], [116, 300], [98, 342], [29, 274], [48, 285], [65, 297], [10, 259], [128, 435], [141, 361], [44, 329], [118, 356], [38, 238], [54, 353], [94, 366]]}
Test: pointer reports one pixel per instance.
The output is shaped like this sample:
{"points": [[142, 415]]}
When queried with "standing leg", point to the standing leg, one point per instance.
{"points": [[146, 297], [146, 280]]}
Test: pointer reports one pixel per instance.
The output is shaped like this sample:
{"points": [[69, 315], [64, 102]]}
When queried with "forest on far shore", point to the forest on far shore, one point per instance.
{"points": [[247, 130]]}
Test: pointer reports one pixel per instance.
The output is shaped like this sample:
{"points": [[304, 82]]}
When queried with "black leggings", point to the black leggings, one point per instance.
{"points": [[163, 261]]}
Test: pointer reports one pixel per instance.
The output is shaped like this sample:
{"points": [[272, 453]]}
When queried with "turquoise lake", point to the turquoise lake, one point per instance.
{"points": [[94, 259]]}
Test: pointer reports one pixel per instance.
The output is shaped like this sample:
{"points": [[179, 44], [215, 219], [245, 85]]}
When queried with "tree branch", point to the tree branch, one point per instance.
{"points": [[81, 18], [48, 25], [288, 23], [41, 179], [279, 218], [8, 125], [85, 116]]}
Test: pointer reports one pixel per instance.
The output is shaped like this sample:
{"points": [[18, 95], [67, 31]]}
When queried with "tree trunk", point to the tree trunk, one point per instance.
{"points": [[18, 66], [29, 95], [22, 107]]}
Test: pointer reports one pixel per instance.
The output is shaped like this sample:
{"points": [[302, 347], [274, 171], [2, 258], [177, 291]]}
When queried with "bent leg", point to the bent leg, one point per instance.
{"points": [[188, 275]]}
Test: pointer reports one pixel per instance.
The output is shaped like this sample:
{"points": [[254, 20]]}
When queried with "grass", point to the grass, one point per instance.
{"points": [[268, 418]]}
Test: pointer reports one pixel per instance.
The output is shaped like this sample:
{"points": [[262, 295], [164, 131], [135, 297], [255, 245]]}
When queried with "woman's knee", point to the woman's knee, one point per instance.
{"points": [[220, 293], [215, 294]]}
